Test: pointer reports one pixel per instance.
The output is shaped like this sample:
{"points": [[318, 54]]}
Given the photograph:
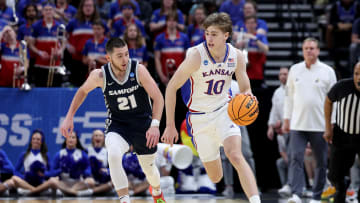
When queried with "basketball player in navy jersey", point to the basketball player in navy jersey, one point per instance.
{"points": [[128, 88], [205, 77]]}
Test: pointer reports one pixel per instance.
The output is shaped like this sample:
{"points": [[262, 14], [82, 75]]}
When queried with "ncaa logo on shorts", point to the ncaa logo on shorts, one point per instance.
{"points": [[206, 62]]}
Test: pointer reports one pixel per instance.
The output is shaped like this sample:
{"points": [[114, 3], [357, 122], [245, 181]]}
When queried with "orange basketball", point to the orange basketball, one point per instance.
{"points": [[243, 110]]}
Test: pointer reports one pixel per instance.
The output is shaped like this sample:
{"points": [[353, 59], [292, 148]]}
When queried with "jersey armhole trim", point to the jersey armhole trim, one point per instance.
{"points": [[104, 76], [137, 73]]}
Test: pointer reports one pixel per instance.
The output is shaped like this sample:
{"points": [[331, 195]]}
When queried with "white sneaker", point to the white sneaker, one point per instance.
{"points": [[59, 192], [285, 191], [187, 183], [22, 191], [47, 192], [307, 193], [84, 193], [294, 199], [315, 201]]}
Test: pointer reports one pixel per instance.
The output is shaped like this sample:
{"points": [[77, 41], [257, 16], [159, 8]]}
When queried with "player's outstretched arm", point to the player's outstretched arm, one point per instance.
{"points": [[150, 86], [241, 75], [187, 67], [94, 80]]}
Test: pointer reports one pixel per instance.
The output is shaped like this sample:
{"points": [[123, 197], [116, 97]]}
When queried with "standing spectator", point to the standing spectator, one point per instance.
{"points": [[235, 9], [257, 47], [94, 50], [306, 87], [103, 6], [6, 13], [250, 9], [21, 4], [145, 12], [127, 8], [344, 135], [277, 108], [10, 60], [355, 44], [115, 11], [30, 15], [64, 12], [80, 30], [158, 19], [274, 126], [97, 154], [196, 31], [6, 171], [170, 47], [3, 23], [136, 44], [342, 16], [47, 48]]}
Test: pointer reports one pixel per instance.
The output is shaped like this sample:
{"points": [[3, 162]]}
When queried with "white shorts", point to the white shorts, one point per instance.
{"points": [[210, 130]]}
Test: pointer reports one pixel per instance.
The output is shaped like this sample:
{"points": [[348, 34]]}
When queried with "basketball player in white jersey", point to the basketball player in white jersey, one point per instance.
{"points": [[205, 77]]}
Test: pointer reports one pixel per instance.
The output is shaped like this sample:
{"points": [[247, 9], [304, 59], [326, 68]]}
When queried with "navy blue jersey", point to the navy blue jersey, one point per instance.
{"points": [[126, 101]]}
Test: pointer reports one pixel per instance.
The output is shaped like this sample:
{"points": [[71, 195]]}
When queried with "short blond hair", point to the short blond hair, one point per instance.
{"points": [[221, 20]]}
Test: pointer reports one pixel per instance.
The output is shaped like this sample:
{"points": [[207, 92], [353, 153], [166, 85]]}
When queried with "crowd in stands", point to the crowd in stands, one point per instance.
{"points": [[66, 40]]}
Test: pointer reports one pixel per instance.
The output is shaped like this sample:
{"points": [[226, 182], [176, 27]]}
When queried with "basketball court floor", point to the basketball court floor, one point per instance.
{"points": [[171, 199]]}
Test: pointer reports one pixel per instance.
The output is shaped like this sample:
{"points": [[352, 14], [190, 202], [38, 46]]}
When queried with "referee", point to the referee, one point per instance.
{"points": [[344, 137]]}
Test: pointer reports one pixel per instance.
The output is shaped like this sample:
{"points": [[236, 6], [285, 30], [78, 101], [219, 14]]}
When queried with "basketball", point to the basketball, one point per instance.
{"points": [[243, 110]]}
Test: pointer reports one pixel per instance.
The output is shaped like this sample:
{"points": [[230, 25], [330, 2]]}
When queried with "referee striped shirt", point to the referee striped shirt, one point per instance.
{"points": [[347, 100]]}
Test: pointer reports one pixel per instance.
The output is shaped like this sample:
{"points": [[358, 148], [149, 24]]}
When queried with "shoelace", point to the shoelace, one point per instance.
{"points": [[160, 201]]}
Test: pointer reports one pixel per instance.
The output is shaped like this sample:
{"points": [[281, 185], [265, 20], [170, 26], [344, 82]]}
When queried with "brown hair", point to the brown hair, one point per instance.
{"points": [[221, 20], [127, 3], [172, 16], [173, 8], [140, 41], [80, 15]]}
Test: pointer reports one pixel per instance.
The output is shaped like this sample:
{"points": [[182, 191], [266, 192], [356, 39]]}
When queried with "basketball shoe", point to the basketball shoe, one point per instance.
{"points": [[157, 199]]}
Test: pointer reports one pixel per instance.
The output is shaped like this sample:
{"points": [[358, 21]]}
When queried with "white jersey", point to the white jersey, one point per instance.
{"points": [[208, 88]]}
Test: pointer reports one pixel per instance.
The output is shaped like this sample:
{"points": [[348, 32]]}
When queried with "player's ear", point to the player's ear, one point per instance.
{"points": [[227, 35], [107, 57]]}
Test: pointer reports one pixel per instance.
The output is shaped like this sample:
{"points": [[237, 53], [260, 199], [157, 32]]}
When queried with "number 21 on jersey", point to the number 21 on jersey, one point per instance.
{"points": [[126, 103]]}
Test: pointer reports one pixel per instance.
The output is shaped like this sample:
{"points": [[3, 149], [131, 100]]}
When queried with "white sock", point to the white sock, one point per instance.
{"points": [[255, 199], [156, 192], [125, 199], [86, 192]]}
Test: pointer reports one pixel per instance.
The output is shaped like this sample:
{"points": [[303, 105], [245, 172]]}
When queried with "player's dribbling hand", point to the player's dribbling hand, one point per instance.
{"points": [[170, 135], [67, 127], [251, 95], [152, 137]]}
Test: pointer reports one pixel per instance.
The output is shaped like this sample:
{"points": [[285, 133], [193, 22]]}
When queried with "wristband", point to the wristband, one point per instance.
{"points": [[155, 123]]}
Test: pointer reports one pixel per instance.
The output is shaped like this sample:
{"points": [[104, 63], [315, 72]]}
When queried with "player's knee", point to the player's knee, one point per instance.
{"points": [[215, 178], [90, 182], [235, 157], [115, 154]]}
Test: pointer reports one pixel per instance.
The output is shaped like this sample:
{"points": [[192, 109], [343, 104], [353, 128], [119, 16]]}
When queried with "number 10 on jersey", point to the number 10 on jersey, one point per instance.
{"points": [[215, 88]]}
